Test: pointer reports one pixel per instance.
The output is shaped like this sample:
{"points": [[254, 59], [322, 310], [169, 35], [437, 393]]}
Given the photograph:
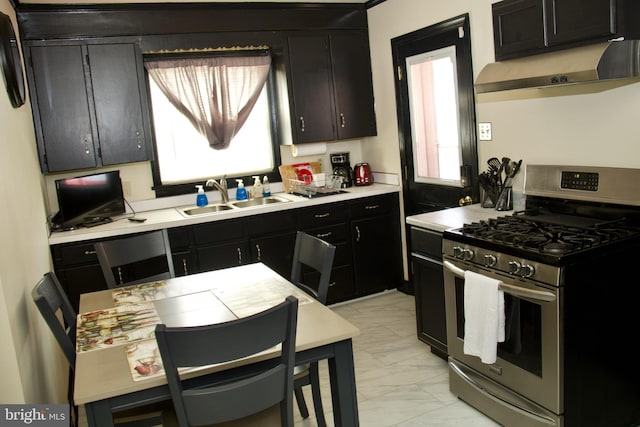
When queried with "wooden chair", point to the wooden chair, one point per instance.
{"points": [[50, 298], [253, 390], [318, 255], [116, 255]]}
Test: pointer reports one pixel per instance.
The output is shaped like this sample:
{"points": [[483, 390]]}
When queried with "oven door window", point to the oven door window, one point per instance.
{"points": [[523, 330]]}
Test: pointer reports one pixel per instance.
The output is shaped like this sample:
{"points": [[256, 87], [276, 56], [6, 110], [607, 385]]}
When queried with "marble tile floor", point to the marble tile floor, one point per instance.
{"points": [[400, 383]]}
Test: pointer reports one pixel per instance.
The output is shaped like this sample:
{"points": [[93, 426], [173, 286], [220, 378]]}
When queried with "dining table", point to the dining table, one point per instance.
{"points": [[118, 366]]}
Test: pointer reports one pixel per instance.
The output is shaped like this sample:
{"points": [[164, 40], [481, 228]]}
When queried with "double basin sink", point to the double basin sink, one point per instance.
{"points": [[238, 204]]}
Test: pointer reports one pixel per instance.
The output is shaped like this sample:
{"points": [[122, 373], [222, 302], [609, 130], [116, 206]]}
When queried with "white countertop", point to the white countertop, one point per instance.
{"points": [[454, 217], [171, 217]]}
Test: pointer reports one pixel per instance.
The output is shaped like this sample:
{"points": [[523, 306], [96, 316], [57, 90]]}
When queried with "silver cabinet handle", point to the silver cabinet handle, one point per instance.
{"points": [[184, 266], [342, 121], [89, 252], [357, 233], [322, 235], [259, 252], [239, 255], [85, 141], [370, 207], [324, 215], [301, 123], [331, 284], [138, 141], [120, 275]]}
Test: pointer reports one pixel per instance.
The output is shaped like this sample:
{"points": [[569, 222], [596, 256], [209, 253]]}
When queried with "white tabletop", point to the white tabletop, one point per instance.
{"points": [[206, 298]]}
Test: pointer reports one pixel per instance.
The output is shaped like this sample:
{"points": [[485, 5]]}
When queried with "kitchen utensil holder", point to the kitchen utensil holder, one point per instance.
{"points": [[505, 200], [485, 200]]}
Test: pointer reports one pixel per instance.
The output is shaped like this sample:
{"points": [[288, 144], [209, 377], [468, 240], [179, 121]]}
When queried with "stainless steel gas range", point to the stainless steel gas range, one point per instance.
{"points": [[567, 267]]}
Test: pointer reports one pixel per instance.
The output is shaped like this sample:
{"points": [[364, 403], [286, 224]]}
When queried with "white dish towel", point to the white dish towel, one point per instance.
{"points": [[483, 316]]}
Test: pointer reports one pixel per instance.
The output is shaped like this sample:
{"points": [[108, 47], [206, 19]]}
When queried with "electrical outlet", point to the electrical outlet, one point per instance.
{"points": [[484, 133]]}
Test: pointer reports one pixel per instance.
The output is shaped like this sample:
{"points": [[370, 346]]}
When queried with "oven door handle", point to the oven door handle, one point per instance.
{"points": [[511, 289]]}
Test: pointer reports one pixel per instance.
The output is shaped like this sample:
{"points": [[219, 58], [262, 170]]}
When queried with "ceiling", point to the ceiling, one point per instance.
{"points": [[186, 1]]}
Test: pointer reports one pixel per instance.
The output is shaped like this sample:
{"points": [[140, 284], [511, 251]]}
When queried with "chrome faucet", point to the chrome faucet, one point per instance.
{"points": [[221, 187]]}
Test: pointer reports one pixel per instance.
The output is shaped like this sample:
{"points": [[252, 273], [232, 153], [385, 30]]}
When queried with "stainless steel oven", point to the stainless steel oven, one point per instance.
{"points": [[529, 360], [566, 268]]}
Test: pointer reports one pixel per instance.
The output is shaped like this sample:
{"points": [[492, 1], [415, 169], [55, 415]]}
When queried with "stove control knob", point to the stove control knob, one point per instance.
{"points": [[457, 252], [467, 254], [490, 260], [528, 270], [514, 267]]}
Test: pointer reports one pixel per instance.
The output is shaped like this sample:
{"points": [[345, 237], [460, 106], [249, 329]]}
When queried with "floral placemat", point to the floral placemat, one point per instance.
{"points": [[115, 326], [144, 359], [153, 291]]}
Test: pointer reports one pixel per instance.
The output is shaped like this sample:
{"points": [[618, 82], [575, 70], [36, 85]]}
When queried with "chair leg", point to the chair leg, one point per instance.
{"points": [[302, 405], [314, 378]]}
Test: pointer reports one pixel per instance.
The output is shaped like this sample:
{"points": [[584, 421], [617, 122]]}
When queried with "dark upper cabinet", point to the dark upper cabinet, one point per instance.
{"points": [[528, 27], [87, 104], [330, 83], [117, 96], [518, 26]]}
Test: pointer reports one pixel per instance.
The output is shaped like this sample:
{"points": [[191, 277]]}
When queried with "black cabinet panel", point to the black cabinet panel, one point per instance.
{"points": [[317, 216], [313, 116], [518, 26], [572, 20], [218, 231], [114, 78], [353, 83], [215, 257], [61, 105], [275, 251], [87, 104], [428, 281]]}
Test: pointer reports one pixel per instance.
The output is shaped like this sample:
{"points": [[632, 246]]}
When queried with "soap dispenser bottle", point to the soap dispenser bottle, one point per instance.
{"points": [[266, 187], [257, 187], [241, 192], [201, 198]]}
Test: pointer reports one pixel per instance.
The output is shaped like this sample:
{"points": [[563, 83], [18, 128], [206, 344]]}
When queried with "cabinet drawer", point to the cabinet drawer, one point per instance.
{"points": [[426, 242], [270, 223], [323, 214], [332, 234], [218, 231], [77, 254], [372, 205], [179, 238]]}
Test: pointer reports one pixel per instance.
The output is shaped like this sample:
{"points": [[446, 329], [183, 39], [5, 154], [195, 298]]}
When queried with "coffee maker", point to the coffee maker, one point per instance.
{"points": [[342, 168]]}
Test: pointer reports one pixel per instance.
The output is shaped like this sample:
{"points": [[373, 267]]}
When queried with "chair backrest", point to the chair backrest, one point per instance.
{"points": [[113, 255], [255, 387], [316, 254], [49, 297]]}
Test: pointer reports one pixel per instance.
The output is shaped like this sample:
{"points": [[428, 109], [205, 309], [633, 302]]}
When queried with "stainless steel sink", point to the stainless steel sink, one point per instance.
{"points": [[261, 201], [209, 209]]}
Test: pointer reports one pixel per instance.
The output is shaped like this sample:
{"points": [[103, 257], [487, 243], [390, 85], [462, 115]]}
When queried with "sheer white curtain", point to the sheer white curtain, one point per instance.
{"points": [[216, 94]]}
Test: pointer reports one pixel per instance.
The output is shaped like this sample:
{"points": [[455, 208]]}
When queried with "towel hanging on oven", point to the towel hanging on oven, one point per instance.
{"points": [[483, 316]]}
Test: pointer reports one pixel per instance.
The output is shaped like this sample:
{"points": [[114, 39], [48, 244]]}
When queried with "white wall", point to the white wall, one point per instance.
{"points": [[578, 128], [33, 370]]}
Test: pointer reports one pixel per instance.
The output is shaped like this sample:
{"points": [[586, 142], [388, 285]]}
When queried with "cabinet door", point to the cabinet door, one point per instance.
{"points": [[375, 254], [518, 27], [428, 282], [275, 251], [61, 108], [117, 95], [312, 89], [353, 85], [225, 255], [575, 20]]}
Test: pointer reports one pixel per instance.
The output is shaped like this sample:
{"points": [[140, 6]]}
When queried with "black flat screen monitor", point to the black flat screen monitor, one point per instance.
{"points": [[89, 199]]}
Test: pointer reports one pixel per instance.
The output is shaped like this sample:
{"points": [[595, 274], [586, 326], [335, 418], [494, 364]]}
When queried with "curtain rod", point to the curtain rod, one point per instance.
{"points": [[235, 50]]}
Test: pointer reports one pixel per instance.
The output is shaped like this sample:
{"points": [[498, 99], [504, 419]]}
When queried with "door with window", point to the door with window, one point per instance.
{"points": [[436, 115]]}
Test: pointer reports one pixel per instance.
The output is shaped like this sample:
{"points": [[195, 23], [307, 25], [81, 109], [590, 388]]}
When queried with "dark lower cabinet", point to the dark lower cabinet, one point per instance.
{"points": [[366, 233], [428, 283], [375, 239]]}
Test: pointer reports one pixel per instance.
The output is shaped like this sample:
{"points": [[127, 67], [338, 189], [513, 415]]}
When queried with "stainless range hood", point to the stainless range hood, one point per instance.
{"points": [[587, 64]]}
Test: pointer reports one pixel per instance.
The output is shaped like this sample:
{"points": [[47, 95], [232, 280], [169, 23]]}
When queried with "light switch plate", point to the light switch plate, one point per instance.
{"points": [[484, 131]]}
